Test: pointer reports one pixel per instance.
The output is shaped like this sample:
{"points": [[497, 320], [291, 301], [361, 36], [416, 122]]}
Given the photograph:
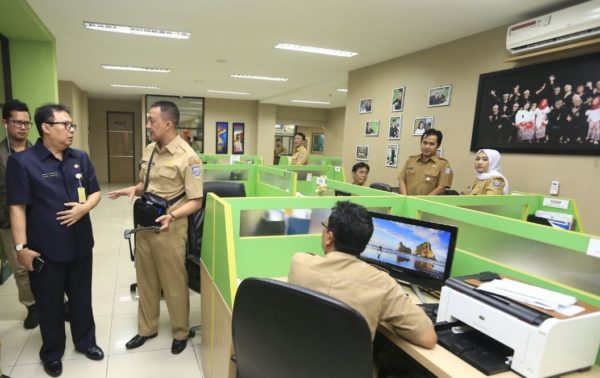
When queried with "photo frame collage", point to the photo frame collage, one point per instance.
{"points": [[437, 96], [237, 138]]}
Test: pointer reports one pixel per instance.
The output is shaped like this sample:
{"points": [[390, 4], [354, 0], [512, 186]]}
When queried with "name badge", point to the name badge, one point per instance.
{"points": [[49, 176]]}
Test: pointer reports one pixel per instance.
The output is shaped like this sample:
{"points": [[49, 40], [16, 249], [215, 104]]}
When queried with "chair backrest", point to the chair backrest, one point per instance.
{"points": [[283, 330], [381, 186], [196, 226]]}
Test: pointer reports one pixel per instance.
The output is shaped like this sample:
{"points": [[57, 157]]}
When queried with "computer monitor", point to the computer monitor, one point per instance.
{"points": [[413, 251]]}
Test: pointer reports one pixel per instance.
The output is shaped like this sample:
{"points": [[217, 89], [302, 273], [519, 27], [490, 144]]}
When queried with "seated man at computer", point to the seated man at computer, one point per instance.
{"points": [[360, 173], [367, 289]]}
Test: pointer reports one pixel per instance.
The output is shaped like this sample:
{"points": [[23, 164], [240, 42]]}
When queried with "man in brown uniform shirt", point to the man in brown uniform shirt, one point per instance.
{"points": [[426, 173], [300, 156], [367, 289], [160, 256]]}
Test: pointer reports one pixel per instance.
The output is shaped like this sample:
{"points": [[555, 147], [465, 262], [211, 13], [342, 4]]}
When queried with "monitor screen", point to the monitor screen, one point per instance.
{"points": [[414, 251]]}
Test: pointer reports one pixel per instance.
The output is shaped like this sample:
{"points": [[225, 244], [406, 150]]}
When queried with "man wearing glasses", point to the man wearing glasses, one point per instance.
{"points": [[51, 188], [17, 122]]}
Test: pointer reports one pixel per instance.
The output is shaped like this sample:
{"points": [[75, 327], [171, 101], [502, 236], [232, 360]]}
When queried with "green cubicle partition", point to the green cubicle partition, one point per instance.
{"points": [[517, 206], [307, 172], [231, 158], [324, 160], [259, 180], [330, 187]]}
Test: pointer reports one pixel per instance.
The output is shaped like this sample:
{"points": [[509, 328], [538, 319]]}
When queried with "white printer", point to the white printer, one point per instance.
{"points": [[543, 346]]}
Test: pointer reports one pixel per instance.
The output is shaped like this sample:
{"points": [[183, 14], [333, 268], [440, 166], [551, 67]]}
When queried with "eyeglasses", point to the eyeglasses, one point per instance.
{"points": [[324, 225], [70, 126], [20, 124]]}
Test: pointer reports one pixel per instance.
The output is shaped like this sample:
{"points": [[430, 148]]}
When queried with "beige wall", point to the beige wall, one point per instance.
{"points": [[458, 63], [98, 132], [75, 99], [230, 111]]}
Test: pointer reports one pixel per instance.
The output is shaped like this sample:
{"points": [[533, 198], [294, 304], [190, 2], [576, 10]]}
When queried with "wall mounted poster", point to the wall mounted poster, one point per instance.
{"points": [[221, 143], [237, 141]]}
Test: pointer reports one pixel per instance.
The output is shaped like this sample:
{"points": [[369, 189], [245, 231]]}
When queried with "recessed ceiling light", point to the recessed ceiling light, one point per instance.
{"points": [[228, 92], [312, 102], [255, 77], [134, 86], [315, 50], [196, 102], [136, 30], [342, 90], [134, 68]]}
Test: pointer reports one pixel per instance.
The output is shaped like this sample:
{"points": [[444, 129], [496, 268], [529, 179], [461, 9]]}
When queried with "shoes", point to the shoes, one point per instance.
{"points": [[93, 353], [67, 312], [138, 341], [53, 368], [31, 320], [178, 346]]}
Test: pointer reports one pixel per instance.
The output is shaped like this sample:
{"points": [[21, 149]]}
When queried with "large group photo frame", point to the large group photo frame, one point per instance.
{"points": [[547, 108]]}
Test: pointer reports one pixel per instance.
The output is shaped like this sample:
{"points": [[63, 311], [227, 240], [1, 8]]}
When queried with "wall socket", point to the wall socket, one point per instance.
{"points": [[554, 185]]}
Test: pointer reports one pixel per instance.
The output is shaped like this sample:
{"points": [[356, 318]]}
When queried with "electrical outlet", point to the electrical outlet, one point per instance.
{"points": [[554, 185]]}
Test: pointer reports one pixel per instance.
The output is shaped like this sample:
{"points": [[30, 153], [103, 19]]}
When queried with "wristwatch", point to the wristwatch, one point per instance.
{"points": [[20, 247]]}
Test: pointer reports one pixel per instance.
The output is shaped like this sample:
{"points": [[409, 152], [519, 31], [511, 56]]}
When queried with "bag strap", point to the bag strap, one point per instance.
{"points": [[147, 181]]}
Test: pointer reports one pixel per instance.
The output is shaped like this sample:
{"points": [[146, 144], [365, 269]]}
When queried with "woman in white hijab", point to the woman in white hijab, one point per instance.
{"points": [[489, 179]]}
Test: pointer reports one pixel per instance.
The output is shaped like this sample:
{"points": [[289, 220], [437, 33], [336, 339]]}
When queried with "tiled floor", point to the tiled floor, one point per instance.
{"points": [[115, 313]]}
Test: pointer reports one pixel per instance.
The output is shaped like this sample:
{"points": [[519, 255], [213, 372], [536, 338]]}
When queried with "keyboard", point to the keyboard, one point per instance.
{"points": [[431, 310]]}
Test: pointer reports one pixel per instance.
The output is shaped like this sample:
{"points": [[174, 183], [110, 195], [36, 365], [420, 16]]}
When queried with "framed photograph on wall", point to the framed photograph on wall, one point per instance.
{"points": [[318, 143], [362, 152], [366, 105], [395, 127], [439, 96], [422, 124], [372, 128], [221, 142], [439, 152], [237, 140], [397, 99], [391, 156], [548, 108]]}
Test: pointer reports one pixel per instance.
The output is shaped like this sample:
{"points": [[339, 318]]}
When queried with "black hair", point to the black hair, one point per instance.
{"points": [[302, 135], [352, 227], [359, 165], [14, 105], [168, 110], [45, 113], [435, 132]]}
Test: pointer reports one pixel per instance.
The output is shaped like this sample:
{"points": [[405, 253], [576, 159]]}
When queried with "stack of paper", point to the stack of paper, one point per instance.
{"points": [[532, 295]]}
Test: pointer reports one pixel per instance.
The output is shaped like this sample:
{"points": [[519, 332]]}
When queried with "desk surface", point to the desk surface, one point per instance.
{"points": [[443, 363]]}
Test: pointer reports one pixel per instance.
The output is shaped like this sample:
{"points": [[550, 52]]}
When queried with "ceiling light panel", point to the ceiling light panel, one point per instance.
{"points": [[134, 68], [228, 92], [344, 90], [315, 50], [256, 77], [311, 102], [136, 30], [134, 86]]}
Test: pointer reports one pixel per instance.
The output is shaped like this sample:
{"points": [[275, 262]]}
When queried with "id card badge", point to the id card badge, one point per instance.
{"points": [[80, 190]]}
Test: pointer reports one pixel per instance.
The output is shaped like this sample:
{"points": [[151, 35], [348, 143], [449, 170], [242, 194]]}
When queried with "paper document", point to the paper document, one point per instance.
{"points": [[533, 295]]}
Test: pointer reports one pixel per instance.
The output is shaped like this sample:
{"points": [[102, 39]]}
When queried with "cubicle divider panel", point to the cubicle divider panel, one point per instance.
{"points": [[306, 173], [340, 189], [233, 172], [335, 162], [556, 256], [274, 182], [514, 207], [230, 159]]}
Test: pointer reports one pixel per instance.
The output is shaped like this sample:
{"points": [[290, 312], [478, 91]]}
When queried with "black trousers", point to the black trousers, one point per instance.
{"points": [[49, 286]]}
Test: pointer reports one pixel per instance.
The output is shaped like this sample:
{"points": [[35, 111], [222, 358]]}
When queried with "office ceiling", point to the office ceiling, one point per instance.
{"points": [[237, 36]]}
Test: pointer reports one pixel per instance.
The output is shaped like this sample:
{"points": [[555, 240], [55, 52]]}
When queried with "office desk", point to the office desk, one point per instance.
{"points": [[445, 364]]}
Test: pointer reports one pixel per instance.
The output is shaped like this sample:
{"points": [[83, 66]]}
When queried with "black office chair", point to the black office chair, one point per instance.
{"points": [[450, 192], [381, 186], [195, 231], [282, 330]]}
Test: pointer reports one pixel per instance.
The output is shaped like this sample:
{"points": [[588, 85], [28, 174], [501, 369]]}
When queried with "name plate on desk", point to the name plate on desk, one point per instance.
{"points": [[556, 203]]}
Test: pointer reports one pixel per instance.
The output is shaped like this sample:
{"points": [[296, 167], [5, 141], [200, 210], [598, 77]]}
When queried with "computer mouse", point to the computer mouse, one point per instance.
{"points": [[487, 276]]}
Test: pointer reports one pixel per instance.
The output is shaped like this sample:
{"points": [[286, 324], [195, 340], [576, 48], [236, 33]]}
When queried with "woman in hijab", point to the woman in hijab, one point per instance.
{"points": [[489, 179]]}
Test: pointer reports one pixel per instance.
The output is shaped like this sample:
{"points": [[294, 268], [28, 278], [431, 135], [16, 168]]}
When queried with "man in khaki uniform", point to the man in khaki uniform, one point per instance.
{"points": [[426, 173], [17, 122], [367, 289], [300, 156], [175, 170]]}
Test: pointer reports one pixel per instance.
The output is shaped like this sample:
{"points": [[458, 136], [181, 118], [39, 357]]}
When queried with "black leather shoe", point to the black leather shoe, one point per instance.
{"points": [[138, 341], [53, 368], [93, 353], [178, 346], [31, 321]]}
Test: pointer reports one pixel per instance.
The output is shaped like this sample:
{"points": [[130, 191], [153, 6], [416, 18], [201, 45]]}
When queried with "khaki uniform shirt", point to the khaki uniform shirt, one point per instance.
{"points": [[367, 289], [300, 156], [422, 177], [491, 186], [175, 169]]}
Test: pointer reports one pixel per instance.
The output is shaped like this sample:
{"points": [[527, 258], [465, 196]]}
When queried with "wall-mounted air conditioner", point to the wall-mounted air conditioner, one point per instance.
{"points": [[579, 22]]}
